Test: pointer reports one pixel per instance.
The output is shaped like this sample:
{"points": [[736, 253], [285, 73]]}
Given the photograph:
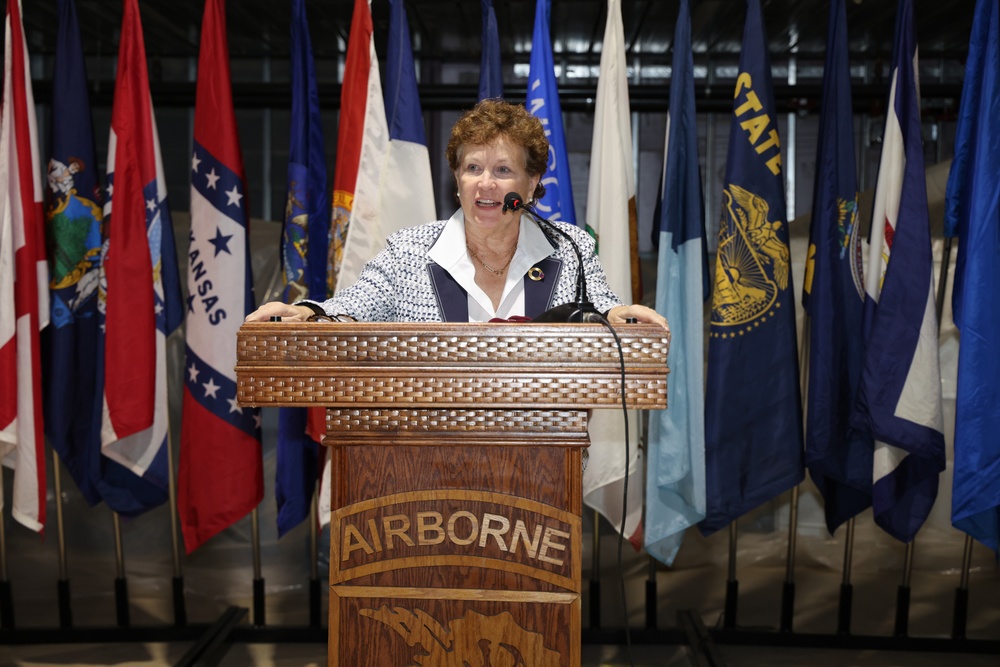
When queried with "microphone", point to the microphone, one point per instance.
{"points": [[581, 310]]}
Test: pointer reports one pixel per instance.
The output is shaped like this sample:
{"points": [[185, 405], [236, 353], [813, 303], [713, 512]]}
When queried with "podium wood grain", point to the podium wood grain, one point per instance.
{"points": [[457, 452]]}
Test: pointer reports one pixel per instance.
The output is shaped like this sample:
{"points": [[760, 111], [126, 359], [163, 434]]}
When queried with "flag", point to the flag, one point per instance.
{"points": [[393, 186], [543, 102], [394, 183], [839, 457], [610, 214], [675, 470], [141, 291], [73, 230], [753, 411], [973, 213], [24, 302], [305, 243], [221, 473], [899, 398], [490, 71]]}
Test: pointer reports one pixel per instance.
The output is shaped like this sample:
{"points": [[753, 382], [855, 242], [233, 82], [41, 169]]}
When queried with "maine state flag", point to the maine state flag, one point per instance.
{"points": [[490, 71], [753, 411], [838, 456], [899, 399], [973, 213], [543, 102], [73, 233], [305, 243], [675, 468], [221, 476]]}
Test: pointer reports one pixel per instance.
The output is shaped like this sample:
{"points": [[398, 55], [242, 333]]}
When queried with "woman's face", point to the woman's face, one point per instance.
{"points": [[484, 177]]}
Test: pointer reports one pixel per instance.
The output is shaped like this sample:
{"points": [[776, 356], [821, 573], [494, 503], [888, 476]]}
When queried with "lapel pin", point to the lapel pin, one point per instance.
{"points": [[535, 273]]}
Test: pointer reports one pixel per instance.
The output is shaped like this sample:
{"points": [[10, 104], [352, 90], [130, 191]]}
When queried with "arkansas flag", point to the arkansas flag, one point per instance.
{"points": [[24, 302], [140, 291], [221, 471]]}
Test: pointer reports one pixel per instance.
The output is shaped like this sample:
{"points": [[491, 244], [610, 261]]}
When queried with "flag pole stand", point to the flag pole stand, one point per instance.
{"points": [[903, 595], [62, 585], [258, 580], [315, 596], [177, 582], [846, 588], [6, 594], [732, 584], [595, 575], [961, 613], [788, 588], [121, 583]]}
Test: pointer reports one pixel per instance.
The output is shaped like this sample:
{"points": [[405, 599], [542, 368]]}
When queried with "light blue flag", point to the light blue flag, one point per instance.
{"points": [[973, 214], [675, 473], [490, 73], [543, 101]]}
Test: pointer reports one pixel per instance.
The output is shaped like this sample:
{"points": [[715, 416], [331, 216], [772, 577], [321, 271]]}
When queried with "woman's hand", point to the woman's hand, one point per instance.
{"points": [[287, 312], [619, 314]]}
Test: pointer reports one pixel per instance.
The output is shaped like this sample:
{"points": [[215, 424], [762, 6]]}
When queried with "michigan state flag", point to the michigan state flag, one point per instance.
{"points": [[753, 414]]}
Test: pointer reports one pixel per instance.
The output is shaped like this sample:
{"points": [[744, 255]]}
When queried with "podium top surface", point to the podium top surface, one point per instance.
{"points": [[454, 364]]}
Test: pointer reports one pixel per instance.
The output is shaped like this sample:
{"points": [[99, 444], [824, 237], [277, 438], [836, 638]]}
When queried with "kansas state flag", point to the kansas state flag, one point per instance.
{"points": [[838, 456], [753, 412], [973, 213], [490, 72], [305, 242], [73, 230], [899, 399], [543, 102], [221, 474], [675, 472], [142, 303]]}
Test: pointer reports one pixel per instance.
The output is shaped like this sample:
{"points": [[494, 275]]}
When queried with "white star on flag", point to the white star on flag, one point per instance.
{"points": [[193, 373], [234, 405], [212, 178], [234, 196], [211, 388], [194, 163], [151, 204]]}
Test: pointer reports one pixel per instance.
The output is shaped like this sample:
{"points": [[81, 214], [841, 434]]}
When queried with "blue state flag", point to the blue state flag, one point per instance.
{"points": [[753, 410], [543, 102], [73, 212], [490, 72], [839, 457], [675, 467], [305, 241], [973, 214], [899, 397]]}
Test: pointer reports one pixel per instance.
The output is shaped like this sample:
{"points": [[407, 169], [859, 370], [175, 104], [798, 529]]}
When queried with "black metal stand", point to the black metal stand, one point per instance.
{"points": [[787, 605], [121, 602], [212, 646], [180, 611], [258, 602], [65, 610], [844, 609]]}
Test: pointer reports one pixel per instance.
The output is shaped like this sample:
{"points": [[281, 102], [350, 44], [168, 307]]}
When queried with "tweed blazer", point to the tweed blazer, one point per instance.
{"points": [[402, 284]]}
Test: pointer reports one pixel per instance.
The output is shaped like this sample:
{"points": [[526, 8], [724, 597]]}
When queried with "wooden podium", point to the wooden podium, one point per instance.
{"points": [[457, 454]]}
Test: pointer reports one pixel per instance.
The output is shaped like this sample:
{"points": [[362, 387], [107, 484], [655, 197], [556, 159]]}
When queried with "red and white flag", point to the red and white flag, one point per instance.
{"points": [[24, 293], [221, 474], [141, 290]]}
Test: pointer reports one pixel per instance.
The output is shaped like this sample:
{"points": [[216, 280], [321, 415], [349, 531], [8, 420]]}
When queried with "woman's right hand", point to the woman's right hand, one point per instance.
{"points": [[287, 312]]}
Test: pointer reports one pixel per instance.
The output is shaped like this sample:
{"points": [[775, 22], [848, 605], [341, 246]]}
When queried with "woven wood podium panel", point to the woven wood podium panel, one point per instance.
{"points": [[457, 453]]}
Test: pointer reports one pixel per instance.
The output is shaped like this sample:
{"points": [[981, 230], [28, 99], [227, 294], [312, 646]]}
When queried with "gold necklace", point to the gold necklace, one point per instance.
{"points": [[498, 272]]}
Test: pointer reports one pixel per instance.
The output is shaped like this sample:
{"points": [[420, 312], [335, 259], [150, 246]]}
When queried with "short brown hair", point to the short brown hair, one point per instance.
{"points": [[492, 119]]}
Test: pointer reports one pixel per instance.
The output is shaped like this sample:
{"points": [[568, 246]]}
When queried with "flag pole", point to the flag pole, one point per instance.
{"points": [[788, 588], [903, 593], [62, 585], [732, 584], [315, 596], [6, 597], [180, 613], [846, 589], [121, 583], [258, 580], [961, 611]]}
